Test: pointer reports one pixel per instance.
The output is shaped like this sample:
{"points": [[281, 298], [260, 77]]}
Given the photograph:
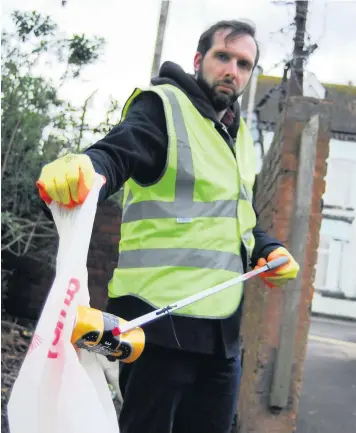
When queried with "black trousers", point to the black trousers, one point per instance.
{"points": [[172, 391]]}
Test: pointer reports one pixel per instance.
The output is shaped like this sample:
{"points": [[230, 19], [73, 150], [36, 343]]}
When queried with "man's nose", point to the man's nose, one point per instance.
{"points": [[231, 70]]}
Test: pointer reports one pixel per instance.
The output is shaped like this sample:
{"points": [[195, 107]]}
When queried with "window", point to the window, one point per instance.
{"points": [[341, 183], [331, 275], [320, 281]]}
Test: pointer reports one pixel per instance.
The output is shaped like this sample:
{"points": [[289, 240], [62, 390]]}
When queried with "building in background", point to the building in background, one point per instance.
{"points": [[335, 279]]}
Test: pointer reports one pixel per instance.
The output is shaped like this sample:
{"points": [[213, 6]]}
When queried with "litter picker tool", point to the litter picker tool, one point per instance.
{"points": [[110, 335]]}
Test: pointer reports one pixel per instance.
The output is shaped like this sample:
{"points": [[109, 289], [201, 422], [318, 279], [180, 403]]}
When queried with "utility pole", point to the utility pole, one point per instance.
{"points": [[160, 37], [299, 54], [284, 87], [251, 95]]}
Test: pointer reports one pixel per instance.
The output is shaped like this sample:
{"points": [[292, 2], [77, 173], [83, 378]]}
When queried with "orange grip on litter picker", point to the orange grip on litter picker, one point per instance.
{"points": [[99, 332]]}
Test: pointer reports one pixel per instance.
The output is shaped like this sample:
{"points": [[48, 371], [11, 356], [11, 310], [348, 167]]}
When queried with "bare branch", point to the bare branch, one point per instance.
{"points": [[9, 147], [30, 237], [14, 241], [82, 119], [6, 325]]}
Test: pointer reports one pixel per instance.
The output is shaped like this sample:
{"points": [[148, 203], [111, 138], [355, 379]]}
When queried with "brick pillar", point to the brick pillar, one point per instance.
{"points": [[103, 252], [263, 310]]}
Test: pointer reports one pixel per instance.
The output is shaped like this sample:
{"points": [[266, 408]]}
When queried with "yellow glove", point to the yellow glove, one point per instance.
{"points": [[281, 275], [67, 180]]}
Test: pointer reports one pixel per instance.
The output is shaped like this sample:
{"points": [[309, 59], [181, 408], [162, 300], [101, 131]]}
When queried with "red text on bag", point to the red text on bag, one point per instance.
{"points": [[73, 288]]}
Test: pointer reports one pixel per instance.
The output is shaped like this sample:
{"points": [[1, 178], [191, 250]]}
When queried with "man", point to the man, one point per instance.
{"points": [[187, 161]]}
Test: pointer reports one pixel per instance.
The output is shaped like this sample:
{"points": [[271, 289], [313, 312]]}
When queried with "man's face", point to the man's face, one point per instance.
{"points": [[226, 68]]}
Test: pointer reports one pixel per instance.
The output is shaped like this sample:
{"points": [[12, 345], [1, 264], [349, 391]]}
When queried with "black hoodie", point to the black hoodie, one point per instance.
{"points": [[137, 148]]}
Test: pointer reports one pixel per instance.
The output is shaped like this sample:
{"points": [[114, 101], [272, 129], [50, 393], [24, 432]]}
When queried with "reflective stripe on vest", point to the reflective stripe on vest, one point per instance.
{"points": [[185, 257], [247, 237]]}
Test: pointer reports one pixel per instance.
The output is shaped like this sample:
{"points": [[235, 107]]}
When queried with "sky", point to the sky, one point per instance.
{"points": [[129, 27]]}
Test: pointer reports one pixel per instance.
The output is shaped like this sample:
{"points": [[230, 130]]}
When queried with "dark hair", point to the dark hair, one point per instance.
{"points": [[237, 28]]}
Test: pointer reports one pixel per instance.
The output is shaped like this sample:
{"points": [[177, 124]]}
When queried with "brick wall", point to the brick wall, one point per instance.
{"points": [[275, 195], [103, 253]]}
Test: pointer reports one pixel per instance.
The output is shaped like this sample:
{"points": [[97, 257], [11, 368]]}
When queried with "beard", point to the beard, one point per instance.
{"points": [[219, 99]]}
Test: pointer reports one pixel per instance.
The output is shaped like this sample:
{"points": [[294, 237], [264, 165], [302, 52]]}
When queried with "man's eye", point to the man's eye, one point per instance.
{"points": [[244, 64], [223, 57]]}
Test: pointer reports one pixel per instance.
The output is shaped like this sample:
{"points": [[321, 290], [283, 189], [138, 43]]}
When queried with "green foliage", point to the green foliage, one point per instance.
{"points": [[37, 126], [29, 23], [82, 50]]}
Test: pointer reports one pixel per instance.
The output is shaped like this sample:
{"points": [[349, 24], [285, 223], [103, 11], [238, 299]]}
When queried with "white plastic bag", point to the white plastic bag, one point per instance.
{"points": [[60, 389]]}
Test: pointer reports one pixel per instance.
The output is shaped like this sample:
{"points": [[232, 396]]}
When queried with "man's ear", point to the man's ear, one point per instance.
{"points": [[197, 61]]}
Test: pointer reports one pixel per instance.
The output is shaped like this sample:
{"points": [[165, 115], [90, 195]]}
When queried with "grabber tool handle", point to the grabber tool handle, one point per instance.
{"points": [[274, 264], [154, 315]]}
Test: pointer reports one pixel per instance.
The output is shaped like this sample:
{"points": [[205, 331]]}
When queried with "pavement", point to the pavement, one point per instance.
{"points": [[328, 397]]}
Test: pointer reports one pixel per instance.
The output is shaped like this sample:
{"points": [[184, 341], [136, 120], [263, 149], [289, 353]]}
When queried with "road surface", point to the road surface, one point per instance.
{"points": [[328, 397]]}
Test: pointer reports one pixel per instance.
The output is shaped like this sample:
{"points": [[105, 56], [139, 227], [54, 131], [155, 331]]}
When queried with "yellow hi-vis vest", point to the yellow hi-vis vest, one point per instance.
{"points": [[183, 233]]}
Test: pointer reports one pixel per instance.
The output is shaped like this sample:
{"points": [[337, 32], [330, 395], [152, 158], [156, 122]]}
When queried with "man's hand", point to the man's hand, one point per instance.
{"points": [[281, 275], [67, 180]]}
